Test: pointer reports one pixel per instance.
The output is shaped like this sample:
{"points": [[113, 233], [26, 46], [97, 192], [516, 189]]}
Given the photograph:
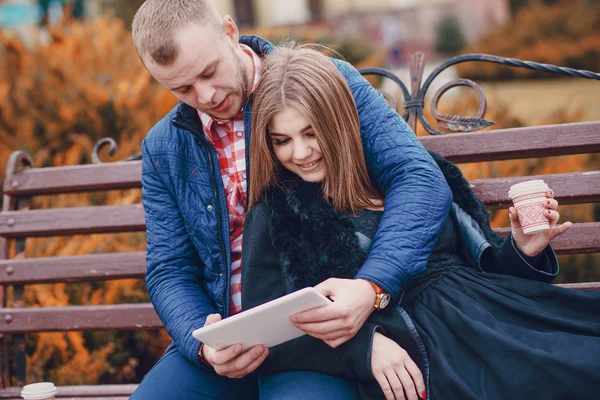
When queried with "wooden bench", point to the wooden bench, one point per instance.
{"points": [[23, 182]]}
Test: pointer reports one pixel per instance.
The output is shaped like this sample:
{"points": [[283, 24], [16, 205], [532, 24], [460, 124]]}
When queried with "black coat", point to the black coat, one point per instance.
{"points": [[294, 239]]}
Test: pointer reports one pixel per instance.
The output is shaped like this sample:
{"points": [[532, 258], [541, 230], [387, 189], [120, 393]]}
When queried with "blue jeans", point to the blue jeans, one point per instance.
{"points": [[173, 377]]}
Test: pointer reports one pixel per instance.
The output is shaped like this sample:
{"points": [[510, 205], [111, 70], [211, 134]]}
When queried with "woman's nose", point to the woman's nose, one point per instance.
{"points": [[301, 151]]}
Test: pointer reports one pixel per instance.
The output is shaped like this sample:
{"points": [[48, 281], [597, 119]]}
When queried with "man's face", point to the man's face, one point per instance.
{"points": [[209, 73]]}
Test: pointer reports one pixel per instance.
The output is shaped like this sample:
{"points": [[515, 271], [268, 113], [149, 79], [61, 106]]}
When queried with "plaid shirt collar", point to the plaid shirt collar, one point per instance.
{"points": [[207, 120]]}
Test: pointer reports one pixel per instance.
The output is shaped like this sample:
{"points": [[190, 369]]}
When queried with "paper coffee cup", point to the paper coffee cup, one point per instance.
{"points": [[529, 198], [39, 391]]}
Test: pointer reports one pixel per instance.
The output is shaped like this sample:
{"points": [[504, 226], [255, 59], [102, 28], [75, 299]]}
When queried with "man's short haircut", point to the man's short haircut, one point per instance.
{"points": [[156, 21]]}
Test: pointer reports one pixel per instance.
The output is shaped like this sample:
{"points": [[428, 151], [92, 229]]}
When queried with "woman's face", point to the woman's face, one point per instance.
{"points": [[296, 146]]}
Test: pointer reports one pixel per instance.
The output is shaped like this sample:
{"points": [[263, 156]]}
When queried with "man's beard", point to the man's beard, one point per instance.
{"points": [[243, 76], [243, 86]]}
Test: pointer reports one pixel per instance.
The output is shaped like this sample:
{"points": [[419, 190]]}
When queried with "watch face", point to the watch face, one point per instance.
{"points": [[385, 300]]}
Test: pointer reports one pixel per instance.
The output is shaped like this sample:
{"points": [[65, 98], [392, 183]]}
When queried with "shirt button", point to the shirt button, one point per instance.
{"points": [[239, 134], [209, 207], [244, 175]]}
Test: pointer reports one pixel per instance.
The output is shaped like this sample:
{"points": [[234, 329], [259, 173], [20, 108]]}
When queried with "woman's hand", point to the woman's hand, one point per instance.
{"points": [[338, 322], [394, 370], [532, 245], [231, 362]]}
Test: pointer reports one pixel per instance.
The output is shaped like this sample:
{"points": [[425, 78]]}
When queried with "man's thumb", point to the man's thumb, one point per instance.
{"points": [[212, 318]]}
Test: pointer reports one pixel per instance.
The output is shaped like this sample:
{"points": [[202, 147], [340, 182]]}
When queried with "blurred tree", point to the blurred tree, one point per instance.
{"points": [[517, 5], [562, 32], [449, 37], [244, 12], [124, 9], [316, 9], [45, 6], [58, 99]]}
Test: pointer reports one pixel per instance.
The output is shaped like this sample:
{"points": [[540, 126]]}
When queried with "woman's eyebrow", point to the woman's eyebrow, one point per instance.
{"points": [[307, 127]]}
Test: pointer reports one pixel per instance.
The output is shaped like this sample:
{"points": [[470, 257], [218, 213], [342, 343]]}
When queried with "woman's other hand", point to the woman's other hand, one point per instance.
{"points": [[231, 361], [394, 370], [532, 245]]}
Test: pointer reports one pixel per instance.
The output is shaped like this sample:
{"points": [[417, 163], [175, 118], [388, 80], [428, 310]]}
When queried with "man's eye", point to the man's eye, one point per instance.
{"points": [[185, 89], [281, 142], [210, 74]]}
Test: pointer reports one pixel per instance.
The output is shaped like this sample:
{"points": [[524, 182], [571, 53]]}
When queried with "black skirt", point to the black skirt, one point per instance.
{"points": [[492, 336]]}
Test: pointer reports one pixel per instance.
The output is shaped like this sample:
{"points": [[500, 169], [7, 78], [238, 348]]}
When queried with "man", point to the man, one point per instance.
{"points": [[195, 166]]}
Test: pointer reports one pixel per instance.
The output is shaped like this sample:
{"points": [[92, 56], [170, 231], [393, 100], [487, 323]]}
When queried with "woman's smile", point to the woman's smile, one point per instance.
{"points": [[310, 166]]}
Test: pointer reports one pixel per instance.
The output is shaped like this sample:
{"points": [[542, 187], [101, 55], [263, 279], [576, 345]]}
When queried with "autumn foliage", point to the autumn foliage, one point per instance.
{"points": [[58, 100], [86, 83], [565, 33]]}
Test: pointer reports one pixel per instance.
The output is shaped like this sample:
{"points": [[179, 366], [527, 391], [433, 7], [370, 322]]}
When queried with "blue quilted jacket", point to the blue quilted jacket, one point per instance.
{"points": [[188, 261]]}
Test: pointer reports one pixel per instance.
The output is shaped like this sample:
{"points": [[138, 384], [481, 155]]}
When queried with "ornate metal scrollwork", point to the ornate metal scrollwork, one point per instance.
{"points": [[414, 102], [111, 152]]}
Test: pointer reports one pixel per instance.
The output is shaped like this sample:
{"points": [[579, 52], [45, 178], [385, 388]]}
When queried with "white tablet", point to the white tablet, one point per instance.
{"points": [[268, 324]]}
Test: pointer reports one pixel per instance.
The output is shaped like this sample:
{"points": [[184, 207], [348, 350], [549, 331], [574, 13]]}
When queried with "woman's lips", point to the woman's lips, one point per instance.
{"points": [[309, 167]]}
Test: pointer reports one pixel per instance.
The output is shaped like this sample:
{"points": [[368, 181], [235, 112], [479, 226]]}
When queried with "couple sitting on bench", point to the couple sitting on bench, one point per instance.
{"points": [[295, 159]]}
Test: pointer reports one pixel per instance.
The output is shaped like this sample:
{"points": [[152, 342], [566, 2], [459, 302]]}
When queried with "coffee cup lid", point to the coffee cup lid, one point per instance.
{"points": [[527, 187], [522, 185], [38, 391], [516, 193]]}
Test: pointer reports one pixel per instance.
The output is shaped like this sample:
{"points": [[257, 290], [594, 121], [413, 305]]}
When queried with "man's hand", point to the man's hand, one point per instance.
{"points": [[353, 302], [394, 370], [231, 362], [532, 245]]}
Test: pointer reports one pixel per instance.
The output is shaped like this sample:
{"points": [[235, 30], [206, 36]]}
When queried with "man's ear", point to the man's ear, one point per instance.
{"points": [[231, 30]]}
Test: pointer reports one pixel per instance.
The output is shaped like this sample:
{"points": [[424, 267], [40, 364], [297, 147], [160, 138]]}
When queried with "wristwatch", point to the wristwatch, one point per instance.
{"points": [[382, 299]]}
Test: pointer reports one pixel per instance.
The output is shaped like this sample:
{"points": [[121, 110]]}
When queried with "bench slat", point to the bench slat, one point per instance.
{"points": [[80, 178], [79, 318], [70, 221], [86, 318], [11, 396], [508, 144], [571, 188], [94, 267], [581, 286], [96, 392], [505, 144], [580, 238]]}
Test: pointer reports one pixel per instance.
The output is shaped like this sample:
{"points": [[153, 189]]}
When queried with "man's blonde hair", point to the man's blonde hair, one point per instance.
{"points": [[156, 21], [301, 77]]}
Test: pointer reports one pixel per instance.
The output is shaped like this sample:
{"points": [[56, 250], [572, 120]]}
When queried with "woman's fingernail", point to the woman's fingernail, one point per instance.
{"points": [[424, 395], [237, 348]]}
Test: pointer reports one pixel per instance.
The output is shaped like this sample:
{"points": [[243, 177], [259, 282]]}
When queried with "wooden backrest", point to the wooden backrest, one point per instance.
{"points": [[18, 222]]}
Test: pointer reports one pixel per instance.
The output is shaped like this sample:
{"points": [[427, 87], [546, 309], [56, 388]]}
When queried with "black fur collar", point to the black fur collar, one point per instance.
{"points": [[313, 241]]}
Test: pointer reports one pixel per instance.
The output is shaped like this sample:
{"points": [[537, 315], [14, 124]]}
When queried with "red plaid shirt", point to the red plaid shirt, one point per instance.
{"points": [[227, 137]]}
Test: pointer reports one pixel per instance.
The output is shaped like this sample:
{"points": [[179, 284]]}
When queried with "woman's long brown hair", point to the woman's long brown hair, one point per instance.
{"points": [[301, 77]]}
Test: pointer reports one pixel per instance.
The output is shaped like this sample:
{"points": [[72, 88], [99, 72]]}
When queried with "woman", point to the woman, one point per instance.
{"points": [[480, 322]]}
